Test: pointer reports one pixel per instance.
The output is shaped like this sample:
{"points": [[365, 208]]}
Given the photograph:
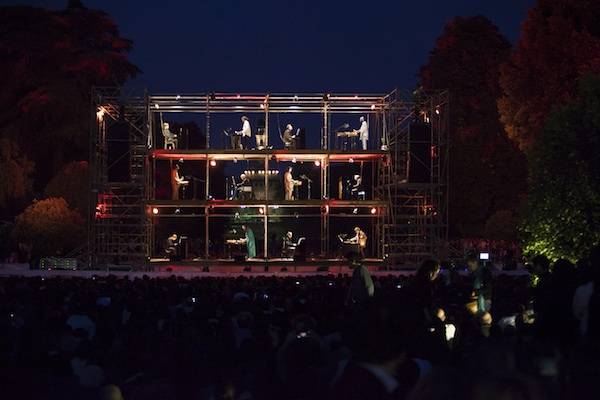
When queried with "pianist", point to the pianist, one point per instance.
{"points": [[244, 188], [171, 246], [289, 138], [177, 181], [363, 132], [249, 241], [289, 246], [245, 133], [360, 240]]}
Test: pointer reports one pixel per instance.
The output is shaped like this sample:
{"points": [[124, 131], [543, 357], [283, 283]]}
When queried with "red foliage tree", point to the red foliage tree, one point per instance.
{"points": [[487, 171], [559, 43], [50, 61]]}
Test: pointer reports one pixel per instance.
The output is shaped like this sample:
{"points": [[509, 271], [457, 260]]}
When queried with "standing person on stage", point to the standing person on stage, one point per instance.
{"points": [[249, 241], [177, 181], [363, 132], [289, 183], [360, 238], [246, 132]]}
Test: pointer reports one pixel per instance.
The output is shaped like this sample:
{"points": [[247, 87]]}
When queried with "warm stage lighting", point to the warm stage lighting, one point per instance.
{"points": [[372, 106], [155, 211], [373, 210], [156, 106], [177, 97], [213, 163], [238, 96], [261, 210], [317, 163], [351, 160], [294, 160], [437, 110], [355, 211]]}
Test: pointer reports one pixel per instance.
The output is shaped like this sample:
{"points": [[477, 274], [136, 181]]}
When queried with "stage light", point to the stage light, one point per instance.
{"points": [[238, 96], [213, 163], [373, 210], [351, 160], [317, 163], [355, 211], [261, 210], [262, 106], [156, 106], [294, 160], [295, 97], [234, 160], [372, 106], [177, 97], [356, 96], [155, 211]]}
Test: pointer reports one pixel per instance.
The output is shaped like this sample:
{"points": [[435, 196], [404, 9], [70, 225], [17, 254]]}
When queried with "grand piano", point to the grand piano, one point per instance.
{"points": [[346, 137]]}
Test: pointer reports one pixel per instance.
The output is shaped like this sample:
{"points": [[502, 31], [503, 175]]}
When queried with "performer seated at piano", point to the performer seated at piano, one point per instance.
{"points": [[359, 239], [356, 190], [249, 241], [177, 181], [363, 132], [171, 246], [170, 139], [289, 184], [245, 133], [289, 246], [244, 188], [289, 138]]}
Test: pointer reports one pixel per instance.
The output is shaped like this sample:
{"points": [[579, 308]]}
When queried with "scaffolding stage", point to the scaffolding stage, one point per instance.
{"points": [[405, 212]]}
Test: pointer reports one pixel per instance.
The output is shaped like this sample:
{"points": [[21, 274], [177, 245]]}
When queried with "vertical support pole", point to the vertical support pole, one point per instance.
{"points": [[207, 122], [325, 137], [266, 205], [206, 232], [266, 122]]}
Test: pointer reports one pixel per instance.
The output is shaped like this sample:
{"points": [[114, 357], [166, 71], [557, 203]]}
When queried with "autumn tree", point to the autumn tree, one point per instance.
{"points": [[562, 218], [559, 43], [49, 62], [487, 171], [49, 227], [72, 184], [15, 173]]}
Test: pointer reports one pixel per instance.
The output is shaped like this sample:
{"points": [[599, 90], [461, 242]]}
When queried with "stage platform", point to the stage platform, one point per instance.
{"points": [[191, 270]]}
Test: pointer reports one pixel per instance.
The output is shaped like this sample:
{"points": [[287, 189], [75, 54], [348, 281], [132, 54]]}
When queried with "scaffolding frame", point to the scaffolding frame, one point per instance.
{"points": [[411, 220]]}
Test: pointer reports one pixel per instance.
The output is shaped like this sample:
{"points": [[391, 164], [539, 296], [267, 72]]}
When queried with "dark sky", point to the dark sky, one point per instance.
{"points": [[288, 46]]}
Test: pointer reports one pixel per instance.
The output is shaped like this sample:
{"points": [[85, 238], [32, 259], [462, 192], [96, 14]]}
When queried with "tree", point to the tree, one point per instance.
{"points": [[50, 61], [72, 184], [487, 171], [15, 178], [559, 43], [562, 218], [50, 227]]}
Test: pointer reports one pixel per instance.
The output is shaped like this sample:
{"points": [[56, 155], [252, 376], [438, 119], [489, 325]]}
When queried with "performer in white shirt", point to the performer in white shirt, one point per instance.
{"points": [[246, 132], [289, 183], [363, 132]]}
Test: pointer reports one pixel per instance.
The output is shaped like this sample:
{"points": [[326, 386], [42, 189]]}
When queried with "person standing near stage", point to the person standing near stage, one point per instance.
{"points": [[362, 288], [246, 132], [177, 181], [249, 241]]}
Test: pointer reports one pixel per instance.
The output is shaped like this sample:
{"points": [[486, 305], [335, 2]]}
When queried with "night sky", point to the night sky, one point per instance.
{"points": [[288, 46]]}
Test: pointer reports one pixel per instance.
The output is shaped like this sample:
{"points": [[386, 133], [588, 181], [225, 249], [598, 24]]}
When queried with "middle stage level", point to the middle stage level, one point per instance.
{"points": [[253, 178]]}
